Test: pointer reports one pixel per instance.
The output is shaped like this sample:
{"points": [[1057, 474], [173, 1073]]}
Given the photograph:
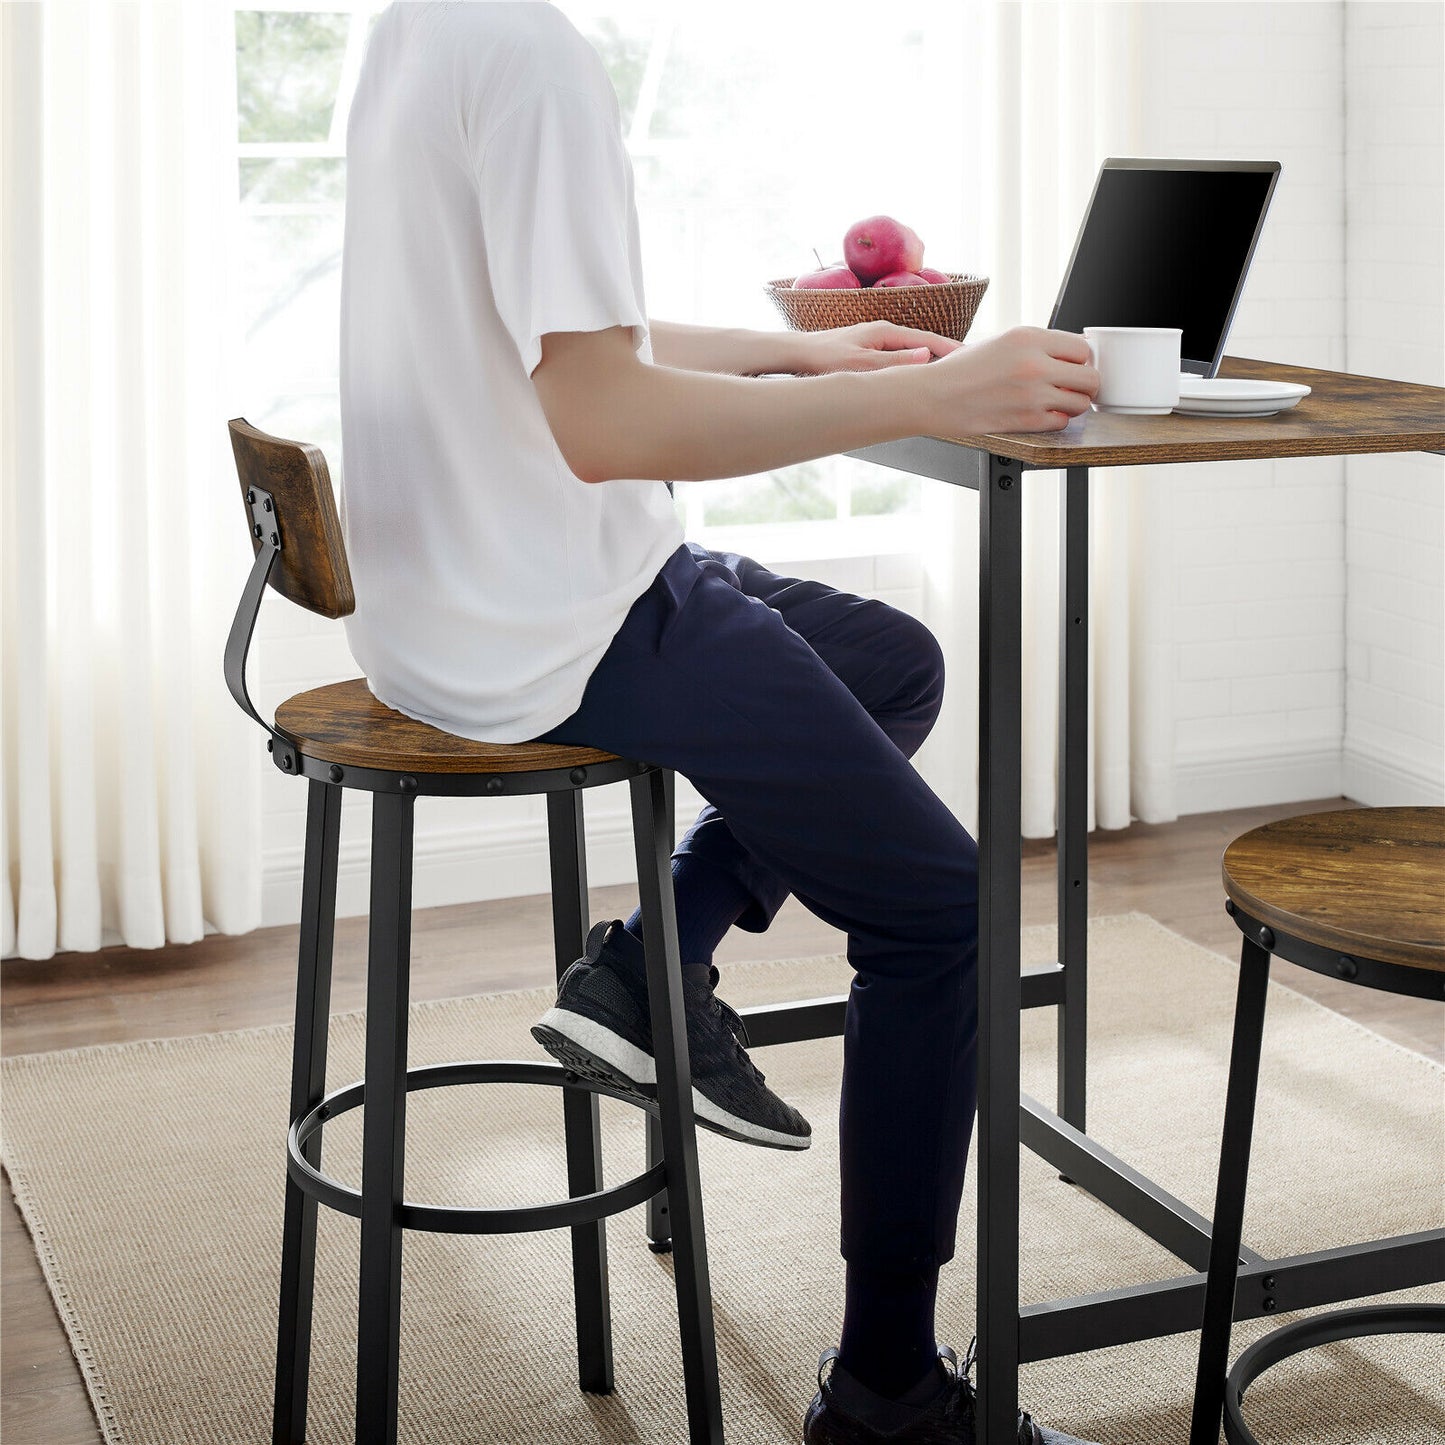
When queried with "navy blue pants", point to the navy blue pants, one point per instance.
{"points": [[793, 709]]}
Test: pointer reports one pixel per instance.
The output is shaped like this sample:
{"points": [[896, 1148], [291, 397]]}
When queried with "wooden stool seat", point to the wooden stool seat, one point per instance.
{"points": [[343, 723], [1364, 882]]}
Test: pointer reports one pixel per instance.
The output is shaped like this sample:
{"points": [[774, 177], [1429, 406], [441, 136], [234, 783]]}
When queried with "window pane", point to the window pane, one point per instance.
{"points": [[804, 493], [319, 182], [288, 64], [885, 492], [291, 297], [623, 48]]}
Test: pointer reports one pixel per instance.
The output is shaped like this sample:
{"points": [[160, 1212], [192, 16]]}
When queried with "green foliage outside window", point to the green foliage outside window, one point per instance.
{"points": [[308, 180], [625, 56], [806, 493], [885, 494], [288, 64]]}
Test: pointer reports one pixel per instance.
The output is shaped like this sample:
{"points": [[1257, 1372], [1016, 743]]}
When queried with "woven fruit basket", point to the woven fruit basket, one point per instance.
{"points": [[947, 309]]}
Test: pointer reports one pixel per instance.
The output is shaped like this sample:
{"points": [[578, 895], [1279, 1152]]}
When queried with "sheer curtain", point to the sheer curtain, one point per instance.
{"points": [[1053, 89], [130, 779]]}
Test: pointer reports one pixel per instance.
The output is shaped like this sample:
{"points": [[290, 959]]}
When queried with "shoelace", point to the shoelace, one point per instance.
{"points": [[725, 1011], [733, 1020]]}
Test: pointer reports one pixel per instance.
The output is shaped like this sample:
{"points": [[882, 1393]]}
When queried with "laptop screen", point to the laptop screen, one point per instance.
{"points": [[1167, 243]]}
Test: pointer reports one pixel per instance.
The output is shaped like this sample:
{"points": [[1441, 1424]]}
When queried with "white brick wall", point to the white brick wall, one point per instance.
{"points": [[1394, 734], [1259, 581]]}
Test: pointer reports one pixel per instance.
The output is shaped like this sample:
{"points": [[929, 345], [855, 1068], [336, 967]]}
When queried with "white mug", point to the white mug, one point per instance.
{"points": [[1138, 368]]}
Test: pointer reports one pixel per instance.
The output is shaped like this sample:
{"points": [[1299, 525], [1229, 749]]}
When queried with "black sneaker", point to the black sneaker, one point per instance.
{"points": [[846, 1412], [601, 1028]]}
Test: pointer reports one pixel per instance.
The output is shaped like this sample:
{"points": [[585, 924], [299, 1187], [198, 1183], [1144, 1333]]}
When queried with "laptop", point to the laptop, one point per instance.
{"points": [[1167, 243]]}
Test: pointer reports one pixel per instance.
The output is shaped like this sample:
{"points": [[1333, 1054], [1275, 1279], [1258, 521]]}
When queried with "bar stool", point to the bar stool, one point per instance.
{"points": [[340, 737], [1358, 895]]}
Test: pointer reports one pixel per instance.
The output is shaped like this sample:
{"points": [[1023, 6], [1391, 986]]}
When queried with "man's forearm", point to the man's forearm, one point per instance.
{"points": [[614, 416], [732, 350], [666, 424]]}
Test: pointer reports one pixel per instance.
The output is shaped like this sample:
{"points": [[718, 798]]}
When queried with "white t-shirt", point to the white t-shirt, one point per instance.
{"points": [[489, 200]]}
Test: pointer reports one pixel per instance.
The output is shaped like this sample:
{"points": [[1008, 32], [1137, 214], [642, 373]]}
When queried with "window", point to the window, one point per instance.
{"points": [[295, 72], [758, 133]]}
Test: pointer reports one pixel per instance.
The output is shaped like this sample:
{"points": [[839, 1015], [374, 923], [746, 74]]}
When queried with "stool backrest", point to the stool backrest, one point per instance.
{"points": [[311, 568]]}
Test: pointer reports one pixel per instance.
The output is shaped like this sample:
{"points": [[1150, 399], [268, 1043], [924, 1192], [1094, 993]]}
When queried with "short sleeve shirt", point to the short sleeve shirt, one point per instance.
{"points": [[489, 200]]}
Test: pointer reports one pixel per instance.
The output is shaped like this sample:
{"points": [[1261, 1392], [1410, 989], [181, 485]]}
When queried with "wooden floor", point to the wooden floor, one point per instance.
{"points": [[1170, 871]]}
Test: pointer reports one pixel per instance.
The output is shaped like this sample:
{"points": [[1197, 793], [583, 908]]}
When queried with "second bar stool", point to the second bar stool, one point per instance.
{"points": [[340, 737], [1358, 895]]}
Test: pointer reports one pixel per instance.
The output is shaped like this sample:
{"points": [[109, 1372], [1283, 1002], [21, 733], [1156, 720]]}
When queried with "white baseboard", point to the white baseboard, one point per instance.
{"points": [[1380, 782], [1210, 783], [467, 865]]}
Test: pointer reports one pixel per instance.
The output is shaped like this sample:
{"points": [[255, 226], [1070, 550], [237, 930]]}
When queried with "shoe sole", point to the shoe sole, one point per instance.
{"points": [[595, 1052]]}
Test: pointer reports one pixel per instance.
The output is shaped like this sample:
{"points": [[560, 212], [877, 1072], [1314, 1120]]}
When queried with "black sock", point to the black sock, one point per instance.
{"points": [[708, 902], [627, 947], [888, 1342]]}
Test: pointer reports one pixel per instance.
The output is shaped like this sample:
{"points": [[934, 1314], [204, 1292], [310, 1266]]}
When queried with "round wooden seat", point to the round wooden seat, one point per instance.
{"points": [[1364, 882], [343, 723]]}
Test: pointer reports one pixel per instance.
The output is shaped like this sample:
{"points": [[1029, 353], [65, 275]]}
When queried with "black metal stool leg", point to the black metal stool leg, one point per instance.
{"points": [[659, 1231], [384, 1119], [308, 1083], [581, 1122], [1228, 1224], [652, 834]]}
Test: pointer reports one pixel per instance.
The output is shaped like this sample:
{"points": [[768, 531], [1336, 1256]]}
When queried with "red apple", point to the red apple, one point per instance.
{"points": [[831, 278], [902, 278], [934, 278], [879, 246]]}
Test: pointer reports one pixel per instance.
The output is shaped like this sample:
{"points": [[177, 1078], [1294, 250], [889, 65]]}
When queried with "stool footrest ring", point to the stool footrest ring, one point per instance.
{"points": [[446, 1219], [1320, 1329]]}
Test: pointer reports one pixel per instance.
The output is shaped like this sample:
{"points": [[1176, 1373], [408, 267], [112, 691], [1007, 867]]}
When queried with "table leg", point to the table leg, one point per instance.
{"points": [[1073, 804], [999, 989]]}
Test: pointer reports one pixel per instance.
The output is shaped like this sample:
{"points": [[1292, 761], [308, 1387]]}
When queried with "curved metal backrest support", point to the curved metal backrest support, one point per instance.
{"points": [[243, 625], [296, 533]]}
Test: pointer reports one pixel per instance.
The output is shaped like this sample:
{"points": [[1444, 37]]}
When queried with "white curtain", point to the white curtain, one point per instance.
{"points": [[1056, 88], [130, 779]]}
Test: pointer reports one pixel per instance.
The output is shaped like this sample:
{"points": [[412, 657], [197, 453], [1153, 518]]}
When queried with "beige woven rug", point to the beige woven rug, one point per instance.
{"points": [[160, 1230]]}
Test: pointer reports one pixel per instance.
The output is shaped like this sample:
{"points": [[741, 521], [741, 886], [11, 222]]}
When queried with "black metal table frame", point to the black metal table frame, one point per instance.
{"points": [[1008, 1335]]}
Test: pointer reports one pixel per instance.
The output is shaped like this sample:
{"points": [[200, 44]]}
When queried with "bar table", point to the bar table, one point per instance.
{"points": [[1342, 414]]}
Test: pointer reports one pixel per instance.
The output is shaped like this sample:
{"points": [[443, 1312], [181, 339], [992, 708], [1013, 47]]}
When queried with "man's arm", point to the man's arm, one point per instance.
{"points": [[733, 350], [736, 351], [614, 416]]}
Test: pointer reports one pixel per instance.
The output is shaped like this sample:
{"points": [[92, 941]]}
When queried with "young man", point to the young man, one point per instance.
{"points": [[509, 416]]}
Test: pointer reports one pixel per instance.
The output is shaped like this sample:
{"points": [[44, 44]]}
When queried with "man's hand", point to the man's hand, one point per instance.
{"points": [[868, 346], [1027, 379]]}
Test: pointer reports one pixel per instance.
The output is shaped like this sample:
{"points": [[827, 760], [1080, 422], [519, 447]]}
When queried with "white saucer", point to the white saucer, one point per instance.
{"points": [[1236, 396]]}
